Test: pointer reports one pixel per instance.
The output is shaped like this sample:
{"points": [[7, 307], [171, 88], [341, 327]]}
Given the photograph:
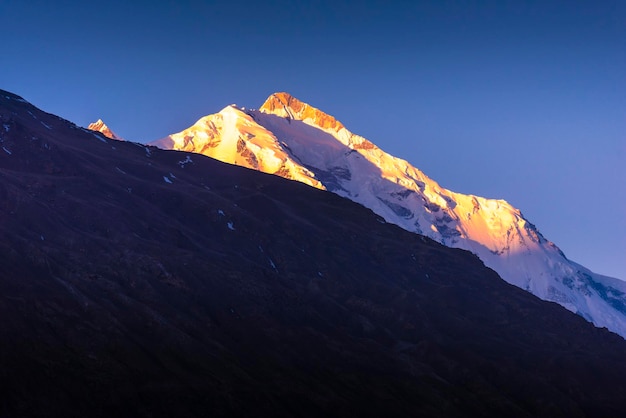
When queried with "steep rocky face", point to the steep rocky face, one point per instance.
{"points": [[316, 149], [143, 282], [286, 106]]}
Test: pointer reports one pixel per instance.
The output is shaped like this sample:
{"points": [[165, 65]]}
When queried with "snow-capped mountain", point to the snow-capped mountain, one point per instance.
{"points": [[294, 140], [100, 126], [216, 288]]}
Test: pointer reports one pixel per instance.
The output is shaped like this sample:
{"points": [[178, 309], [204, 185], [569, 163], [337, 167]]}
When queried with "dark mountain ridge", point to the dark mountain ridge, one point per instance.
{"points": [[142, 282]]}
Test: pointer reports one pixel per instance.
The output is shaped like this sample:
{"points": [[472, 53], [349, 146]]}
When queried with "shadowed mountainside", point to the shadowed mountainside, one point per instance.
{"points": [[142, 282]]}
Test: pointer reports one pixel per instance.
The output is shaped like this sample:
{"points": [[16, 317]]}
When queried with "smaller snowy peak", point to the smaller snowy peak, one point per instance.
{"points": [[234, 136], [100, 126]]}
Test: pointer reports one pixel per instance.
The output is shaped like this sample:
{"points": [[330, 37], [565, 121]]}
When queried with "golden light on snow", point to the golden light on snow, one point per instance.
{"points": [[292, 139]]}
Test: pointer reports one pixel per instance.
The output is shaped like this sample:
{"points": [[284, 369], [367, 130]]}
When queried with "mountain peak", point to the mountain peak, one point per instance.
{"points": [[282, 100], [285, 105], [231, 109], [100, 126]]}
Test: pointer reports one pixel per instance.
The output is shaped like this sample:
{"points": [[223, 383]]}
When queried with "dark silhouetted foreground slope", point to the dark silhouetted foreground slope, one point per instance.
{"points": [[141, 282]]}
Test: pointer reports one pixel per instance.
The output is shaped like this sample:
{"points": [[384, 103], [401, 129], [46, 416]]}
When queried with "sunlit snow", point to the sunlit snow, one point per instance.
{"points": [[299, 142]]}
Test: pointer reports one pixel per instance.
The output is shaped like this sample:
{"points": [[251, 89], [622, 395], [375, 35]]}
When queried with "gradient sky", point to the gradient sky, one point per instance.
{"points": [[520, 100]]}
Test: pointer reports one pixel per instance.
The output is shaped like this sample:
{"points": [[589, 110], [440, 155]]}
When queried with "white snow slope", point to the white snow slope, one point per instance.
{"points": [[291, 139]]}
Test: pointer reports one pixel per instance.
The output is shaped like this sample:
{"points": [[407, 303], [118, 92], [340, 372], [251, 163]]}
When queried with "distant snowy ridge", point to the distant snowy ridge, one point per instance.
{"points": [[294, 140], [100, 126]]}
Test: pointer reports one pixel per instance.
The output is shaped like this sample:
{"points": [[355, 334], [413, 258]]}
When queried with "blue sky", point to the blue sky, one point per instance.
{"points": [[520, 100]]}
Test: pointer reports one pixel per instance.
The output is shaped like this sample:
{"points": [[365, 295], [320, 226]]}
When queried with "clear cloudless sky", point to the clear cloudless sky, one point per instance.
{"points": [[512, 99]]}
